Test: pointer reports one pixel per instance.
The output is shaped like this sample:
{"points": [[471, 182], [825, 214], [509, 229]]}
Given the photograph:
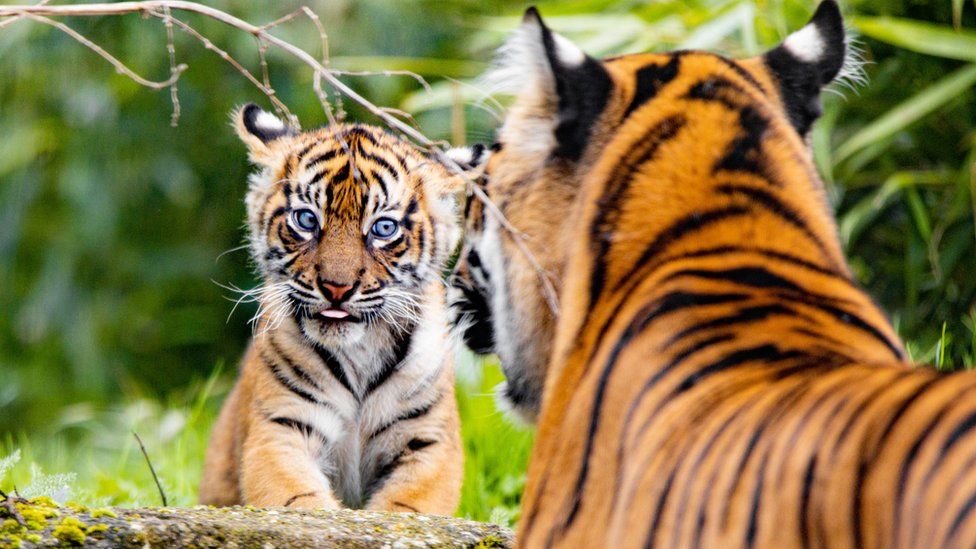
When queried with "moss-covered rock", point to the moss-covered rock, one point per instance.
{"points": [[202, 527]]}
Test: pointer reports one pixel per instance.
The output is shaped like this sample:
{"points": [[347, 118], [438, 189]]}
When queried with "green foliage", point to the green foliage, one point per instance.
{"points": [[96, 459]]}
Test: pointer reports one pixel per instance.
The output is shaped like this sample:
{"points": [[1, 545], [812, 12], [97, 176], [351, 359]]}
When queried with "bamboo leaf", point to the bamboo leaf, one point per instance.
{"points": [[909, 111], [920, 37]]}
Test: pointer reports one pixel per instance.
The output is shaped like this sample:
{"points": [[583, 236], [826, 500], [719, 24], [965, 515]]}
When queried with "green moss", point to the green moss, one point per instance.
{"points": [[33, 538], [99, 513], [97, 530], [11, 526], [491, 540], [36, 515], [44, 501], [70, 531], [10, 542]]}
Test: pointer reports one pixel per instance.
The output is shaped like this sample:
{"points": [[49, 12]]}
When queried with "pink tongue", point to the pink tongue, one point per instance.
{"points": [[334, 313]]}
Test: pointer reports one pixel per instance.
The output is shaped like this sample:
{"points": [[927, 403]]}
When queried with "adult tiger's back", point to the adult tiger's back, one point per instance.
{"points": [[716, 378]]}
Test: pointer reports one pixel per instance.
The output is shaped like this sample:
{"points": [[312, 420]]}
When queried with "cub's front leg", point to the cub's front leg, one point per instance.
{"points": [[424, 475], [279, 468]]}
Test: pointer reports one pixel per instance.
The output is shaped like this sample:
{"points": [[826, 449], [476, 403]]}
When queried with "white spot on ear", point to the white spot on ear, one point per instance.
{"points": [[806, 44], [568, 53], [268, 122]]}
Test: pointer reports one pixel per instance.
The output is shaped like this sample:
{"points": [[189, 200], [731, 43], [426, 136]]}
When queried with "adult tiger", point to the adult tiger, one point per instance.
{"points": [[346, 393], [714, 376]]}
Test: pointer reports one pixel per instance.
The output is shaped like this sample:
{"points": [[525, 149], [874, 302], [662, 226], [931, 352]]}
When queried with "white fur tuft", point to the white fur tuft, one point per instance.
{"points": [[569, 53], [851, 75], [806, 44], [268, 122], [519, 64]]}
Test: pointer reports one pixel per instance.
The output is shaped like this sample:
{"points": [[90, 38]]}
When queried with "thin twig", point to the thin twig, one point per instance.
{"points": [[233, 62], [10, 504], [145, 454], [171, 50], [120, 67]]}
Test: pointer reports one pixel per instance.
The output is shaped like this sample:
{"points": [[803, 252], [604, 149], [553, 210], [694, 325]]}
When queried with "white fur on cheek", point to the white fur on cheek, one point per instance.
{"points": [[806, 44]]}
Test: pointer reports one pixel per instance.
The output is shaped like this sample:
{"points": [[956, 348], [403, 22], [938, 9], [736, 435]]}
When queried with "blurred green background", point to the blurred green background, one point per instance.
{"points": [[116, 229]]}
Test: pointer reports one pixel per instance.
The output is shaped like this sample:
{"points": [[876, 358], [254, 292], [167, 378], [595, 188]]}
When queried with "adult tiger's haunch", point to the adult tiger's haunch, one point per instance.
{"points": [[346, 394], [716, 378]]}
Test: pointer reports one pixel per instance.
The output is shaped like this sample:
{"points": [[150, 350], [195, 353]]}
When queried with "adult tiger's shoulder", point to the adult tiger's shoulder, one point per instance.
{"points": [[346, 393], [714, 376]]}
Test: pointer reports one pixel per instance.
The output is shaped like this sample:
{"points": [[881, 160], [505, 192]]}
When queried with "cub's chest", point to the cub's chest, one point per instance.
{"points": [[367, 441]]}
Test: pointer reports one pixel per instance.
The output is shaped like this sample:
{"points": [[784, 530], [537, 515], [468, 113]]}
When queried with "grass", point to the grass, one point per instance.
{"points": [[92, 457]]}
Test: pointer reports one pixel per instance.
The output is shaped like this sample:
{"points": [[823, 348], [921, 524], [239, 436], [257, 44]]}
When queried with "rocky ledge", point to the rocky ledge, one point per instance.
{"points": [[42, 523]]}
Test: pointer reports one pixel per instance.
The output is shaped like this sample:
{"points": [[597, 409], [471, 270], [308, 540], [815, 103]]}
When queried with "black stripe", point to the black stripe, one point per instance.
{"points": [[417, 444], [304, 428], [961, 516], [961, 429], [743, 316], [604, 225], [401, 347], [414, 413], [766, 353], [332, 363], [756, 277], [288, 384], [384, 472], [739, 70], [777, 207], [685, 226], [659, 510], [297, 497], [863, 466], [649, 80], [324, 157], [854, 320], [295, 368], [718, 89]]}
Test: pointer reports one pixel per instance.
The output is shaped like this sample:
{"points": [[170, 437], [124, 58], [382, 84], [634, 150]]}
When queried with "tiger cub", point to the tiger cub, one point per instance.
{"points": [[346, 393]]}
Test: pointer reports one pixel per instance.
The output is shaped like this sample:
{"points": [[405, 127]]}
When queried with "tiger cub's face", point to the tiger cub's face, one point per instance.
{"points": [[569, 108], [347, 225]]}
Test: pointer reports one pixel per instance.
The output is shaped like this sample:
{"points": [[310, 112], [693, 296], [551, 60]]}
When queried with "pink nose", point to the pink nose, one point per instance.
{"points": [[337, 293]]}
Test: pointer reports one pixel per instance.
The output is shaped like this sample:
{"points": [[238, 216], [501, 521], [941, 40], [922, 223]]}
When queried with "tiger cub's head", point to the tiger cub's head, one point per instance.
{"points": [[568, 110], [348, 226]]}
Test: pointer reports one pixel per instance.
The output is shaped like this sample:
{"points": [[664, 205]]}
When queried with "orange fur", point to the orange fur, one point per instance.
{"points": [[715, 378]]}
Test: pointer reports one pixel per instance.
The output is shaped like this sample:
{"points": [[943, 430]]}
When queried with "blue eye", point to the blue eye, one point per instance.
{"points": [[306, 220], [384, 227]]}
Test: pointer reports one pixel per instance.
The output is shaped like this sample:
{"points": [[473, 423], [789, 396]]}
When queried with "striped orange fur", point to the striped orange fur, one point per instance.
{"points": [[714, 377]]}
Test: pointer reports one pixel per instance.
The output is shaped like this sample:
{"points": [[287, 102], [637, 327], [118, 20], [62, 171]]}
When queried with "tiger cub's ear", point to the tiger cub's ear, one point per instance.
{"points": [[560, 90], [261, 131], [807, 61], [472, 161]]}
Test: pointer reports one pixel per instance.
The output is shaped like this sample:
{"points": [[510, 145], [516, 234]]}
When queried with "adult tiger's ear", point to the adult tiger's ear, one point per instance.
{"points": [[808, 60], [261, 131], [560, 90]]}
